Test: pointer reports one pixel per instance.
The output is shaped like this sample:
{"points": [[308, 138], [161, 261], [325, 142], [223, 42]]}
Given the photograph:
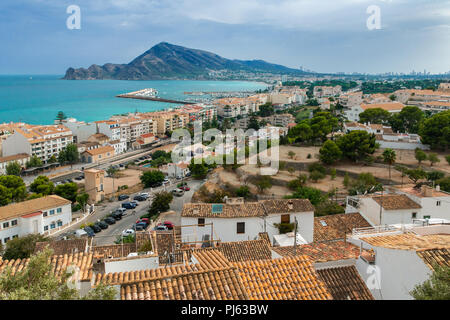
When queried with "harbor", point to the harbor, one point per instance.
{"points": [[149, 94]]}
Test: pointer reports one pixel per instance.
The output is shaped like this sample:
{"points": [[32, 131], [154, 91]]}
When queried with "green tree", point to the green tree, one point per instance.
{"points": [[60, 116], [67, 191], [150, 178], [263, 183], [15, 187], [434, 175], [13, 168], [333, 173], [266, 110], [433, 158], [328, 207], [34, 162], [160, 203], [253, 124], [82, 200], [375, 115], [316, 175], [389, 157], [448, 159], [23, 247], [437, 287], [43, 185], [291, 154], [346, 180], [69, 155], [407, 120], [444, 183], [243, 191], [314, 195], [420, 155], [330, 152], [435, 130], [52, 159], [199, 170], [37, 281], [416, 174], [357, 145]]}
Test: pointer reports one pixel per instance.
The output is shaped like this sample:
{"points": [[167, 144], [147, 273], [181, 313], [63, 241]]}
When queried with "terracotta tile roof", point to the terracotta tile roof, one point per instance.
{"points": [[245, 250], [409, 241], [203, 285], [163, 242], [345, 283], [334, 227], [60, 263], [114, 250], [14, 157], [144, 275], [210, 258], [63, 246], [31, 206], [142, 237], [264, 236], [322, 251], [248, 209], [396, 202], [100, 150], [432, 257], [288, 278]]}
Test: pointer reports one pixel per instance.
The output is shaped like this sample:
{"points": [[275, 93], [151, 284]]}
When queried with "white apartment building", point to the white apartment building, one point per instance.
{"points": [[352, 113], [34, 216], [326, 91], [351, 99], [120, 146], [132, 128], [239, 221], [41, 141], [21, 158], [109, 128], [81, 131]]}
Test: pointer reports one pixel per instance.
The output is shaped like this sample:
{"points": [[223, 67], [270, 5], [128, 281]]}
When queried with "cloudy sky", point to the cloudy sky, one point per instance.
{"points": [[321, 35]]}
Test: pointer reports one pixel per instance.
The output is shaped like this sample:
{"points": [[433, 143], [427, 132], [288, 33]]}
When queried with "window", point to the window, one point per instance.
{"points": [[201, 222], [5, 224], [15, 236], [414, 215], [45, 228], [426, 217], [52, 226], [6, 240], [438, 203], [285, 218], [59, 210], [14, 223], [240, 227], [52, 212], [45, 213], [59, 223]]}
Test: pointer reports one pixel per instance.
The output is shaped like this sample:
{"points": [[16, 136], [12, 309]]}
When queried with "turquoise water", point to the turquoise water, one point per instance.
{"points": [[37, 100]]}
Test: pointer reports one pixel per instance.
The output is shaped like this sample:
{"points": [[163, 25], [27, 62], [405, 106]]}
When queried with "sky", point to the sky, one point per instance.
{"points": [[320, 35]]}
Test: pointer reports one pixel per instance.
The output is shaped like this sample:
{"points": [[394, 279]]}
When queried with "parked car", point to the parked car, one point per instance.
{"points": [[96, 228], [120, 211], [116, 216], [121, 165], [110, 220], [185, 188], [188, 174], [182, 184], [128, 205], [89, 231], [144, 194], [161, 227], [166, 180], [147, 220], [168, 224], [140, 198], [178, 192], [123, 197], [79, 178], [138, 227], [102, 225], [135, 203], [80, 233], [127, 232], [156, 184]]}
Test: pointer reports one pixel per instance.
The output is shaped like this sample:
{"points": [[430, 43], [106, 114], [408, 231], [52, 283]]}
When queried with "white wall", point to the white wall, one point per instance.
{"points": [[132, 264], [82, 130], [14, 144], [225, 229], [402, 145]]}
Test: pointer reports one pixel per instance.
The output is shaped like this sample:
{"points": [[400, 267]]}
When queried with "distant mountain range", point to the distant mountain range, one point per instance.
{"points": [[167, 61]]}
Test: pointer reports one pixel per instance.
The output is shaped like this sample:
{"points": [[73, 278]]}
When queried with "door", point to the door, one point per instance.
{"points": [[35, 226]]}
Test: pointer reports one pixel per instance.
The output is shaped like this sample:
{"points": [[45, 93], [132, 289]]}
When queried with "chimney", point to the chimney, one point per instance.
{"points": [[427, 191], [290, 205]]}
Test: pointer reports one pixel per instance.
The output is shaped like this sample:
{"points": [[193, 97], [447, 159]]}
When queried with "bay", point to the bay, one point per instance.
{"points": [[36, 99]]}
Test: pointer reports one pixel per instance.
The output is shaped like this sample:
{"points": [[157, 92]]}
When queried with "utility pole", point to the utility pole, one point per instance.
{"points": [[295, 236], [381, 204]]}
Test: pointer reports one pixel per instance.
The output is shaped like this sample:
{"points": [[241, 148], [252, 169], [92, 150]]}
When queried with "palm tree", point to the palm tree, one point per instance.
{"points": [[389, 158]]}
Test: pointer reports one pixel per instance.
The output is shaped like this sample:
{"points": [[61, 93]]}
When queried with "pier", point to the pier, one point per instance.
{"points": [[134, 96]]}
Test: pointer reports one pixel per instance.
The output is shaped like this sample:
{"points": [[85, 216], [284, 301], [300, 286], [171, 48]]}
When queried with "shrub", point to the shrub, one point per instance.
{"points": [[284, 227], [309, 156], [316, 176], [317, 167]]}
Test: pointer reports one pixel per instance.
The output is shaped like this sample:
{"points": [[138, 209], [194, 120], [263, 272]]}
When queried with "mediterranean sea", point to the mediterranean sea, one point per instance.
{"points": [[36, 99]]}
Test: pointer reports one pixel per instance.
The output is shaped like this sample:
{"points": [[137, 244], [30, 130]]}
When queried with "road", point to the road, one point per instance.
{"points": [[108, 236]]}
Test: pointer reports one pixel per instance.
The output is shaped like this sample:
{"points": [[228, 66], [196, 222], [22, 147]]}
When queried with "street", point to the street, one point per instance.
{"points": [[108, 236]]}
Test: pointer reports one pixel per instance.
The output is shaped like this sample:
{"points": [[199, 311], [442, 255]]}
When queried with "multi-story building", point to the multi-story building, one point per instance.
{"points": [[164, 121], [110, 128], [326, 91], [351, 99], [352, 113], [131, 128], [41, 141], [34, 216], [200, 112]]}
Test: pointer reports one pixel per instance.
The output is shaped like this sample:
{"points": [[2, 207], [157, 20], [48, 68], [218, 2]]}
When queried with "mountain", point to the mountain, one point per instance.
{"points": [[168, 61]]}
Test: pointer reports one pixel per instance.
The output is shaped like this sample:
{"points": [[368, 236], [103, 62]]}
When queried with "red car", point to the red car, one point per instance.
{"points": [[185, 188], [168, 224], [146, 220]]}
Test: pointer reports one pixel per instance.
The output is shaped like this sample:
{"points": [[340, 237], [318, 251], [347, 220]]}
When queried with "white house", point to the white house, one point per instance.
{"points": [[34, 216], [20, 158], [352, 113], [392, 263], [401, 206], [244, 221], [177, 170]]}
